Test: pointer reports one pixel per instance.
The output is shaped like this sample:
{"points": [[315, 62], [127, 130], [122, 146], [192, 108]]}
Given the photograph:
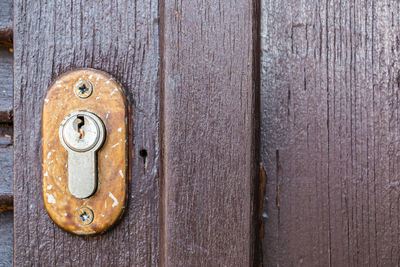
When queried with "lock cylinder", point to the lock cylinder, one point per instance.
{"points": [[82, 133]]}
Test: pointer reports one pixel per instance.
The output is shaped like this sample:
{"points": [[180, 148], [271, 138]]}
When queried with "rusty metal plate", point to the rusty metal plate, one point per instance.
{"points": [[96, 92]]}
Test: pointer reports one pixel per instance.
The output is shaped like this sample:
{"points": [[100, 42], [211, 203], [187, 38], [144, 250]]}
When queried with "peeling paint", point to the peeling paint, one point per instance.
{"points": [[49, 187], [113, 198], [121, 173], [50, 199], [115, 90], [117, 144]]}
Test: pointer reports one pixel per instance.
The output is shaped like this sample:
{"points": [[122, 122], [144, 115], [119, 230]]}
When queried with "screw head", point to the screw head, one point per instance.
{"points": [[84, 216], [83, 89]]}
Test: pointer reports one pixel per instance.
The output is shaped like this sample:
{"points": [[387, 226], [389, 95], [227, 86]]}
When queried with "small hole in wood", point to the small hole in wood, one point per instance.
{"points": [[143, 153]]}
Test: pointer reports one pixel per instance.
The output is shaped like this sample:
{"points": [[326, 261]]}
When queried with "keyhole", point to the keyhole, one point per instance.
{"points": [[81, 123]]}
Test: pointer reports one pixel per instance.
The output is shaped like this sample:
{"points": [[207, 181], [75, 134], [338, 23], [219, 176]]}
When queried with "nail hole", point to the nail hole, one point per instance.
{"points": [[143, 154]]}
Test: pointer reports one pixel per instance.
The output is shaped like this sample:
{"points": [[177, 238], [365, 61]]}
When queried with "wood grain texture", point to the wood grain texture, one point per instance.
{"points": [[120, 38], [6, 81], [209, 163], [6, 167], [6, 20], [6, 148], [330, 132], [6, 238]]}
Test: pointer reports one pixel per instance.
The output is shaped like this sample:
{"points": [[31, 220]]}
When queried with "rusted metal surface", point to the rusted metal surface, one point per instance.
{"points": [[109, 103]]}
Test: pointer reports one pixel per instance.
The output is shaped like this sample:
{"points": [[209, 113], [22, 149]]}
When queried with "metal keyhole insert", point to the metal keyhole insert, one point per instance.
{"points": [[81, 131], [82, 134]]}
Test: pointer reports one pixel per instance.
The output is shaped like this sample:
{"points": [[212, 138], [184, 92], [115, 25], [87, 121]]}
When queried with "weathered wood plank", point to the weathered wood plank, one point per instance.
{"points": [[330, 138], [6, 167], [209, 163], [6, 238], [6, 79], [121, 38], [6, 20], [294, 133], [6, 102]]}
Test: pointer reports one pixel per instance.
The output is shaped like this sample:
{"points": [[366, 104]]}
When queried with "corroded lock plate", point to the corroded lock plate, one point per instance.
{"points": [[93, 91]]}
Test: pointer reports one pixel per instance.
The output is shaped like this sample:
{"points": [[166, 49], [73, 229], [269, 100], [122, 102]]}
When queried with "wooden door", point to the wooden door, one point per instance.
{"points": [[6, 133], [264, 133], [330, 132], [189, 69]]}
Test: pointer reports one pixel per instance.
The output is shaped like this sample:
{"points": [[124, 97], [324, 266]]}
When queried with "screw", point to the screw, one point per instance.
{"points": [[83, 89], [84, 215]]}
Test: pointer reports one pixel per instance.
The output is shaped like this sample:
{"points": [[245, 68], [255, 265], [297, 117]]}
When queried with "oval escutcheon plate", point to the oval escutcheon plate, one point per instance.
{"points": [[85, 91]]}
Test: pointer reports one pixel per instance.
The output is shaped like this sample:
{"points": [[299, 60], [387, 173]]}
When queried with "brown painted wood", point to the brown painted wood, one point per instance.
{"points": [[209, 152], [6, 130], [6, 116], [6, 149], [6, 21], [330, 132], [6, 76], [6, 238], [6, 166], [121, 38]]}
